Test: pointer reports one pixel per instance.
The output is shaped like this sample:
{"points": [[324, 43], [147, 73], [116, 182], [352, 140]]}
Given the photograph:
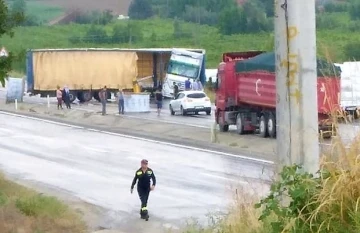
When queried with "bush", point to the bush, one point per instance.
{"points": [[129, 33], [39, 205], [96, 35], [94, 17], [352, 50]]}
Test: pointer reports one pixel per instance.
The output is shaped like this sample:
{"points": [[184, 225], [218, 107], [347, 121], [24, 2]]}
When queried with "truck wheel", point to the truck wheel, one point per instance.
{"points": [[87, 96], [239, 124], [72, 96], [208, 113], [171, 110], [263, 127], [223, 128], [271, 126], [183, 111]]}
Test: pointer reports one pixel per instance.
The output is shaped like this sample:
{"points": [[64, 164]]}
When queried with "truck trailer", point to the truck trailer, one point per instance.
{"points": [[246, 93]]}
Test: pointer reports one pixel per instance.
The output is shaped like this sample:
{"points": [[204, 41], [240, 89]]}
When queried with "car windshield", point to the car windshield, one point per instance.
{"points": [[196, 95], [183, 69]]}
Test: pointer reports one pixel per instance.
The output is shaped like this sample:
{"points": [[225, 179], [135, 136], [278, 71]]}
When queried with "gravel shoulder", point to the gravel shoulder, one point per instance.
{"points": [[246, 145]]}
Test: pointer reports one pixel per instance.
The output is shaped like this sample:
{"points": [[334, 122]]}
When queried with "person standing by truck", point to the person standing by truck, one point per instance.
{"points": [[143, 176], [176, 89], [66, 97], [188, 85], [121, 102], [103, 99], [59, 98], [158, 99]]}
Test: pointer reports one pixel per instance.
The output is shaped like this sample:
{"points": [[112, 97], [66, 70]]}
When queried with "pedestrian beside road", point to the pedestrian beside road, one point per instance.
{"points": [[195, 86], [188, 85], [143, 176], [199, 85], [176, 89], [120, 100], [66, 97], [103, 99], [59, 98], [159, 99]]}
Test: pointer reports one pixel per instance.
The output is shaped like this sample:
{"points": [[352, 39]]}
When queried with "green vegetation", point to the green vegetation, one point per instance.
{"points": [[300, 202], [331, 42], [23, 210]]}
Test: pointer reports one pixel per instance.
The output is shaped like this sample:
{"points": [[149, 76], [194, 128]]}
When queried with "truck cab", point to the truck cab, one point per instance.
{"points": [[183, 65]]}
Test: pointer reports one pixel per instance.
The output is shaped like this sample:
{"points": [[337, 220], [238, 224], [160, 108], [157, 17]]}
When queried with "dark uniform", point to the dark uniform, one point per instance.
{"points": [[143, 188], [176, 90]]}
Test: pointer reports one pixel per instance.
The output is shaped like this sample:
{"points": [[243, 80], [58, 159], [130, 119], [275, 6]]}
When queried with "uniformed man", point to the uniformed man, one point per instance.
{"points": [[143, 176]]}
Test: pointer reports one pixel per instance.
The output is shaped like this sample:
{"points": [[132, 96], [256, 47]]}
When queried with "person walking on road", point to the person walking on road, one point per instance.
{"points": [[66, 97], [121, 102], [199, 85], [159, 99], [59, 97], [143, 176], [103, 99]]}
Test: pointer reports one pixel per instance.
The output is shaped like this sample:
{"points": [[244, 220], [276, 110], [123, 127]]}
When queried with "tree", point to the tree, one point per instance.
{"points": [[354, 10], [8, 20], [18, 6], [140, 9]]}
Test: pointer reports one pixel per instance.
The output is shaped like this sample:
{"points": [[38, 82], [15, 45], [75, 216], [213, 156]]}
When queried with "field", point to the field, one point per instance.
{"points": [[42, 11], [117, 6]]}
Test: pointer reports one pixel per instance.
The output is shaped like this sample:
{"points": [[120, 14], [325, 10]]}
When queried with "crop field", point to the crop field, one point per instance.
{"points": [[117, 6]]}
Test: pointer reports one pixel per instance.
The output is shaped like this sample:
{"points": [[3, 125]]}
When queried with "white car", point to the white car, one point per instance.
{"points": [[190, 102]]}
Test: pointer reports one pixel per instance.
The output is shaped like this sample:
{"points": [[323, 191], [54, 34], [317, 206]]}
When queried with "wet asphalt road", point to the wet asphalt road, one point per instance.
{"points": [[98, 168]]}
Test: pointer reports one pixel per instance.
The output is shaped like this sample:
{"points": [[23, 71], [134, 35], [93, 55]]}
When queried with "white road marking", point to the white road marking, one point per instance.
{"points": [[224, 178], [144, 139]]}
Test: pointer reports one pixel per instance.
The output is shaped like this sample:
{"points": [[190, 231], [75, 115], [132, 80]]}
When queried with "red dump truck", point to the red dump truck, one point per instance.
{"points": [[246, 93]]}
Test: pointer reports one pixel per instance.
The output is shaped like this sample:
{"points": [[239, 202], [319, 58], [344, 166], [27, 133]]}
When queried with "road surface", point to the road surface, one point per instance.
{"points": [[98, 168]]}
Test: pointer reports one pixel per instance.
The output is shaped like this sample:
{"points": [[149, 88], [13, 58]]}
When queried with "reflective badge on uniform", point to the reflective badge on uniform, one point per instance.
{"points": [[138, 173], [149, 173]]}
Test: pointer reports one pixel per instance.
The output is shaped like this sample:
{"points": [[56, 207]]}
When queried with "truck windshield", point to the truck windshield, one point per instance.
{"points": [[183, 69]]}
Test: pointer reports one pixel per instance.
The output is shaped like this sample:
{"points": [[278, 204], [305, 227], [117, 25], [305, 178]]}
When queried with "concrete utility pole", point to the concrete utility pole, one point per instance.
{"points": [[296, 83]]}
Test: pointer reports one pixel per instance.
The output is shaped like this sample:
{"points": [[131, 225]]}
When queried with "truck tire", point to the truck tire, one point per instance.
{"points": [[87, 96], [271, 126], [72, 96], [240, 124], [223, 128], [263, 128]]}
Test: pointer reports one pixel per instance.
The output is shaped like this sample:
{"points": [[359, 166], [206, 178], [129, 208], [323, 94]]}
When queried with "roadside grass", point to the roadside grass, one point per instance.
{"points": [[24, 211]]}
